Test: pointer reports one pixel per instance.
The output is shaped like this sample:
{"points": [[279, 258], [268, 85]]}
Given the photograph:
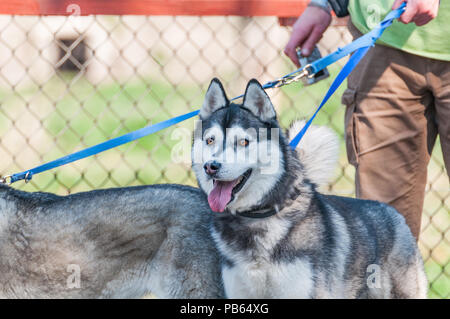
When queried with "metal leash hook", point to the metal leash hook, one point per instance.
{"points": [[290, 78], [8, 179], [295, 76], [4, 180]]}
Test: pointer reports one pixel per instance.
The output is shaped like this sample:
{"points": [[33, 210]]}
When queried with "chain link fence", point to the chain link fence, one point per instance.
{"points": [[71, 82]]}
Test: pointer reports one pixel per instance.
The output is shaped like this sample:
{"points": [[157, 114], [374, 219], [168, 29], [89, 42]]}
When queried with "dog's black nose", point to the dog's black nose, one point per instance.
{"points": [[211, 167]]}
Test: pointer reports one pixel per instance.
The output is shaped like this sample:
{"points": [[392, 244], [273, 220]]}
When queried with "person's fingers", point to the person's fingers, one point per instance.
{"points": [[420, 23], [410, 12], [419, 12], [289, 50], [297, 38], [311, 41], [422, 19], [397, 4]]}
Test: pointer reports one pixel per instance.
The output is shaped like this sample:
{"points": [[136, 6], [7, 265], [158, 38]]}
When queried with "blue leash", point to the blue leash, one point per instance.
{"points": [[360, 46], [27, 175]]}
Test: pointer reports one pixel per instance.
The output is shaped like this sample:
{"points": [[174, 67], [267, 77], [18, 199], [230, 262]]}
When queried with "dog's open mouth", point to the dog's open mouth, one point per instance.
{"points": [[223, 191]]}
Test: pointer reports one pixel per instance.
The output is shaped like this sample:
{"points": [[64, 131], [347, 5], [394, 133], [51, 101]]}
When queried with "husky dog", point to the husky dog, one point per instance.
{"points": [[114, 243], [277, 235]]}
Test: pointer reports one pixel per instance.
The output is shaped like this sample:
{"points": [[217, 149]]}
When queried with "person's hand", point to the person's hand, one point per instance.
{"points": [[418, 11], [307, 31]]}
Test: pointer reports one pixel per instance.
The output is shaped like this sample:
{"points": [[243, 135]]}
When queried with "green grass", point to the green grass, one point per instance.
{"points": [[87, 115]]}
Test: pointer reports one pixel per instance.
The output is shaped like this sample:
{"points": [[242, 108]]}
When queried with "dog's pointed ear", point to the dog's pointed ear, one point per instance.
{"points": [[215, 99], [258, 102]]}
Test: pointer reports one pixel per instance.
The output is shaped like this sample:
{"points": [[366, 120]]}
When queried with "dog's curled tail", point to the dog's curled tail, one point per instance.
{"points": [[318, 151]]}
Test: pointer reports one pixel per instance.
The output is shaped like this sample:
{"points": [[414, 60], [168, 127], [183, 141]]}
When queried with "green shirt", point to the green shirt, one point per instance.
{"points": [[431, 40]]}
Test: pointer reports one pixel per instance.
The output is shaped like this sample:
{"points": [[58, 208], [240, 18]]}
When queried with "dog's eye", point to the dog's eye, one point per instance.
{"points": [[210, 141], [244, 142]]}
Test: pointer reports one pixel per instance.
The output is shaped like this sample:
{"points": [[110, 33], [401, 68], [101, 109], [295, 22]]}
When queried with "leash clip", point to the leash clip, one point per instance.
{"points": [[6, 180], [309, 73], [291, 78]]}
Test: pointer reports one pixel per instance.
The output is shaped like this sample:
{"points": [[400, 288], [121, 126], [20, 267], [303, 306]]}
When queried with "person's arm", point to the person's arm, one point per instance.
{"points": [[308, 29], [310, 26]]}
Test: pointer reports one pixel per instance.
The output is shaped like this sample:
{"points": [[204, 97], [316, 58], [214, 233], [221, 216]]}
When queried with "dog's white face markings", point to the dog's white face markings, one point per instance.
{"points": [[202, 153], [238, 158], [214, 151], [267, 173], [241, 152], [234, 156]]}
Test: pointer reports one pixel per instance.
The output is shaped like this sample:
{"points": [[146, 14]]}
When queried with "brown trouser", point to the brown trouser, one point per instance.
{"points": [[397, 103]]}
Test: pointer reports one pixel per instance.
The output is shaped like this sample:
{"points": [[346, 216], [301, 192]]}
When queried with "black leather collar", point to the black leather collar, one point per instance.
{"points": [[260, 213]]}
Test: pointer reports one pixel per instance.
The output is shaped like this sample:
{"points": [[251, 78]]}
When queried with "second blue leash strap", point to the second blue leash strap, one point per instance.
{"points": [[349, 66]]}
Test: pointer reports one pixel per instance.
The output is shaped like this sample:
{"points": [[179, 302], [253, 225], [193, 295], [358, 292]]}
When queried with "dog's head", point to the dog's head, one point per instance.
{"points": [[238, 149]]}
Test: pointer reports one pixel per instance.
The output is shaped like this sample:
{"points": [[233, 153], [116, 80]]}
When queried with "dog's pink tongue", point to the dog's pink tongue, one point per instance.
{"points": [[220, 196]]}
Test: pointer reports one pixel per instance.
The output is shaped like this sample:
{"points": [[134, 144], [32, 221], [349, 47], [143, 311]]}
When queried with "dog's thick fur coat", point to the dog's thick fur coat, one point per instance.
{"points": [[316, 245], [124, 242]]}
